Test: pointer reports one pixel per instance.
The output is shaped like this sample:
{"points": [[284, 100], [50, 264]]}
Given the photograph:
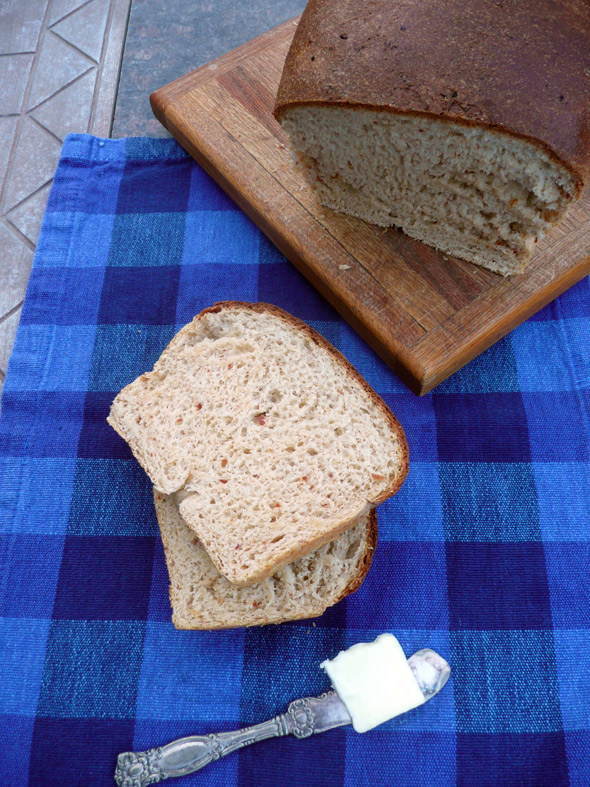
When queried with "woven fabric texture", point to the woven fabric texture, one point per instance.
{"points": [[484, 555]]}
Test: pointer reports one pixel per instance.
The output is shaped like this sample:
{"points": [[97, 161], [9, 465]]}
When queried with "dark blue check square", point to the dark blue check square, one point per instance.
{"points": [[97, 439], [483, 593], [139, 296], [539, 758], [473, 427], [422, 757], [137, 194], [77, 750], [104, 578]]}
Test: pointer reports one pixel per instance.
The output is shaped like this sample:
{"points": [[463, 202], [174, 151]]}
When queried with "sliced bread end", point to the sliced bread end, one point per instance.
{"points": [[203, 599]]}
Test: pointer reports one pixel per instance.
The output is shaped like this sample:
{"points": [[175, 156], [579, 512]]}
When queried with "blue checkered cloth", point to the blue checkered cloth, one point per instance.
{"points": [[484, 555]]}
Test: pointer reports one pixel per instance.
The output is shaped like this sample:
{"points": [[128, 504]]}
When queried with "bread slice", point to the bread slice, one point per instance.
{"points": [[202, 598], [464, 122], [272, 441]]}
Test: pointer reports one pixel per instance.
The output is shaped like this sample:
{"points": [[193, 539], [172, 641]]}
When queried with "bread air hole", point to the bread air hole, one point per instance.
{"points": [[352, 549]]}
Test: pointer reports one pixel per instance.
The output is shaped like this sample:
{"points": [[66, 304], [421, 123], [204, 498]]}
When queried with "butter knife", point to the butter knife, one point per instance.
{"points": [[304, 717]]}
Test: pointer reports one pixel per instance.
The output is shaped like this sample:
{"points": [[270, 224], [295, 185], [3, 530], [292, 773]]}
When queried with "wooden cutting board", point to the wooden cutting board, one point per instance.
{"points": [[425, 313]]}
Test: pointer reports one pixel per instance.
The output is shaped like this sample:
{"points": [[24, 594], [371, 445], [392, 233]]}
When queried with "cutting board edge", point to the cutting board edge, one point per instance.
{"points": [[434, 374]]}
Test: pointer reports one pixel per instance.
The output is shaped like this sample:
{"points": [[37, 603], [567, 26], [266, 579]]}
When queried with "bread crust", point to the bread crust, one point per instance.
{"points": [[515, 67]]}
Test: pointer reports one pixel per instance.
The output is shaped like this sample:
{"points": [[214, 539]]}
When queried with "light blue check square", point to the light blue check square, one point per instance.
{"points": [[367, 362], [568, 571], [52, 357], [563, 500], [221, 238], [190, 674], [22, 654], [147, 240], [74, 240], [553, 355], [572, 654], [330, 330], [35, 495], [415, 512]]}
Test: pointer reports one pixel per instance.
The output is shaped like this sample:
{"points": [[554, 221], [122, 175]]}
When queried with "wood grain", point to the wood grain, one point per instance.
{"points": [[425, 313]]}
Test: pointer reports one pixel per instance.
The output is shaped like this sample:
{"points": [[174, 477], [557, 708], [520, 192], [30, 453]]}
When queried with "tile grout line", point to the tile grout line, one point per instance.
{"points": [[70, 13], [22, 113], [60, 90], [6, 216], [111, 62], [73, 46], [57, 139], [11, 311], [105, 38], [15, 230]]}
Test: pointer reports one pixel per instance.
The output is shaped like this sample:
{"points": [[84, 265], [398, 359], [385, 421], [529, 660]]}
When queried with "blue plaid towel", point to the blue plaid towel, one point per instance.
{"points": [[484, 555]]}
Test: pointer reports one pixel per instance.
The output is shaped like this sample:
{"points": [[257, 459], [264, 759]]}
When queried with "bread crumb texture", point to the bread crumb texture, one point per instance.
{"points": [[469, 191], [202, 598], [271, 441]]}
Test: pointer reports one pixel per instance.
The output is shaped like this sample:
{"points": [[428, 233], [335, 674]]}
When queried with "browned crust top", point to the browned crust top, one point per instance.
{"points": [[517, 66], [318, 339]]}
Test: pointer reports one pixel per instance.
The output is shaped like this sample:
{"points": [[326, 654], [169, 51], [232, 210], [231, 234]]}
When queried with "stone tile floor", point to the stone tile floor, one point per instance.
{"points": [[168, 39], [59, 69]]}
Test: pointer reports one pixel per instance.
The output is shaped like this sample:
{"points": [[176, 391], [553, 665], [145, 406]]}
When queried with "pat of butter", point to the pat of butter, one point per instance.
{"points": [[374, 681]]}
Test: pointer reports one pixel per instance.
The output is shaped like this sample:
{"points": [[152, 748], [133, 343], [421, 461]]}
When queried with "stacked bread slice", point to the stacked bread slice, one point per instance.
{"points": [[268, 453]]}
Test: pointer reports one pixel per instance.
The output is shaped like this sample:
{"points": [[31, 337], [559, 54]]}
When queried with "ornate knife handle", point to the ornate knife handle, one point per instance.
{"points": [[186, 755]]}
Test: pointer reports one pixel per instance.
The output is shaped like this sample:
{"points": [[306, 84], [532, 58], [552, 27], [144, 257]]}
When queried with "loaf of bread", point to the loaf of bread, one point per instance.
{"points": [[202, 598], [271, 440], [464, 123]]}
